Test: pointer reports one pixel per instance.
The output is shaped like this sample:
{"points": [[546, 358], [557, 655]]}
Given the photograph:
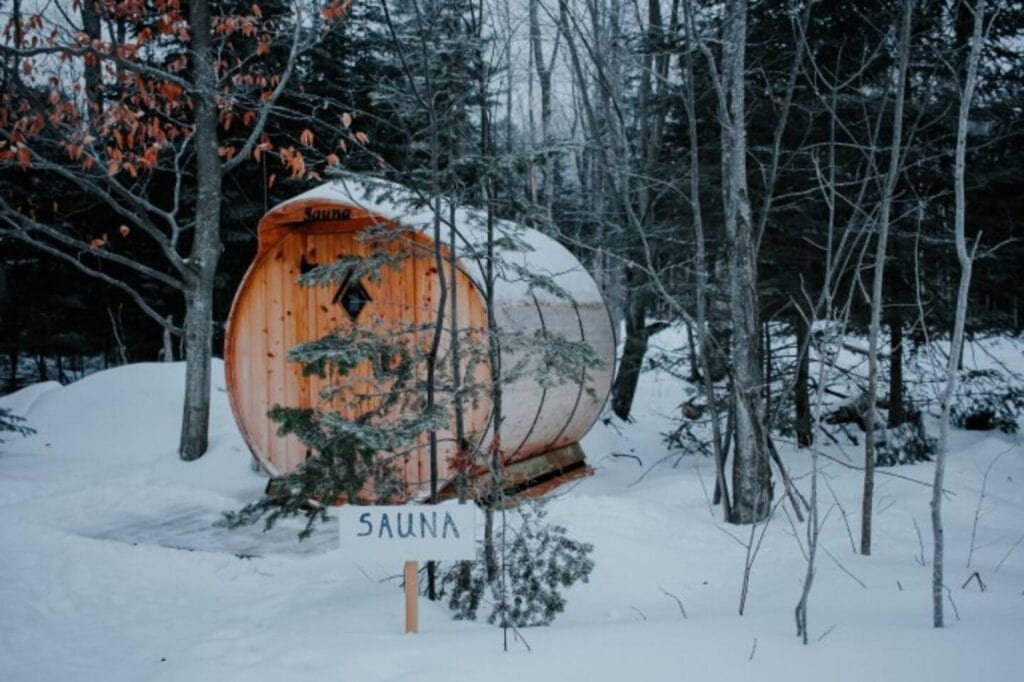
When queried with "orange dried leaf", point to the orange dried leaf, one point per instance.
{"points": [[306, 137], [170, 91], [124, 231], [297, 165], [333, 160]]}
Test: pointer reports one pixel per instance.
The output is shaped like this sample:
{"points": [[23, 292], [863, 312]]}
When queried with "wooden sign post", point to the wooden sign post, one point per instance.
{"points": [[412, 594], [408, 534]]}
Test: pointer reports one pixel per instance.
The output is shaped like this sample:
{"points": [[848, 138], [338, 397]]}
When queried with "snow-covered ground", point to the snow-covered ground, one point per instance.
{"points": [[111, 568]]}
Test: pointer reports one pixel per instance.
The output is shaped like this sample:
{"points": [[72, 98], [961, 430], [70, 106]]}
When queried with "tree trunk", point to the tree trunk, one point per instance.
{"points": [[691, 345], [801, 391], [198, 351], [634, 348], [168, 349], [92, 27], [892, 175], [966, 259], [721, 495], [544, 79], [751, 470], [766, 362], [12, 370], [897, 409], [206, 246]]}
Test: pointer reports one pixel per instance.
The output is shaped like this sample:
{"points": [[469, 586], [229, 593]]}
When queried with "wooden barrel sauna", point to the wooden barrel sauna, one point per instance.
{"points": [[542, 420]]}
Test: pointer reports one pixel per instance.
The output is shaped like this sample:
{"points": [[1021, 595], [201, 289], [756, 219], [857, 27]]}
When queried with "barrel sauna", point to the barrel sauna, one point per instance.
{"points": [[543, 420]]}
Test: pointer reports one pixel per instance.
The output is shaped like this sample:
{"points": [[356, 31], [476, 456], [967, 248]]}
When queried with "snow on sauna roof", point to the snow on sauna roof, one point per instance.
{"points": [[529, 261]]}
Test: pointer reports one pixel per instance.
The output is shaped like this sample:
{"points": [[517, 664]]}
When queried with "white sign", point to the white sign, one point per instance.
{"points": [[408, 532]]}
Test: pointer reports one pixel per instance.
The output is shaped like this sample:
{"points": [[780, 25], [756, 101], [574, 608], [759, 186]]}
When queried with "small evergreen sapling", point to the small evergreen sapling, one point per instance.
{"points": [[12, 423], [540, 561]]}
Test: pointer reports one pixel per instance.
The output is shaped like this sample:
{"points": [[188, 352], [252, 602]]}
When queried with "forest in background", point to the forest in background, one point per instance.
{"points": [[589, 113]]}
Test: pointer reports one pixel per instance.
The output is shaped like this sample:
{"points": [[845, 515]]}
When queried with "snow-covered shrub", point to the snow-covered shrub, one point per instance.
{"points": [[988, 399], [904, 444], [539, 561]]}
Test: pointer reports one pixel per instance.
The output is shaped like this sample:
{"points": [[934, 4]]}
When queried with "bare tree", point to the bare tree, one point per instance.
{"points": [[884, 219], [965, 258], [161, 119]]}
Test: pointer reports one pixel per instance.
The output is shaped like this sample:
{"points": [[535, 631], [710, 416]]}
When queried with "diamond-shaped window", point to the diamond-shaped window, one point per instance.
{"points": [[352, 297]]}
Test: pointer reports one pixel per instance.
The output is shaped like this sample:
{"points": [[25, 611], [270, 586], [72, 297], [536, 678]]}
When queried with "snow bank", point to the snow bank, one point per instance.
{"points": [[111, 568]]}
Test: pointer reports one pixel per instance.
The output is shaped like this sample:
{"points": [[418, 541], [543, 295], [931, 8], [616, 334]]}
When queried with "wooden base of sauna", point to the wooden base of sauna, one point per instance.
{"points": [[535, 476]]}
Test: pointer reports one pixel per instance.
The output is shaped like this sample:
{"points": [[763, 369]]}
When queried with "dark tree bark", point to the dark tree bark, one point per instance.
{"points": [[801, 391], [92, 27], [12, 370], [897, 408], [206, 247], [634, 347]]}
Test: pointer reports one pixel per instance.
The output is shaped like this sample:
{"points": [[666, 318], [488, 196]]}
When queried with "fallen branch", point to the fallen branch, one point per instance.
{"points": [[882, 472], [678, 600], [843, 568], [975, 576], [639, 461]]}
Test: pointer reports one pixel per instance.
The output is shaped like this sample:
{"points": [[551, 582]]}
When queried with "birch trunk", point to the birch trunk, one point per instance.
{"points": [[965, 258]]}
